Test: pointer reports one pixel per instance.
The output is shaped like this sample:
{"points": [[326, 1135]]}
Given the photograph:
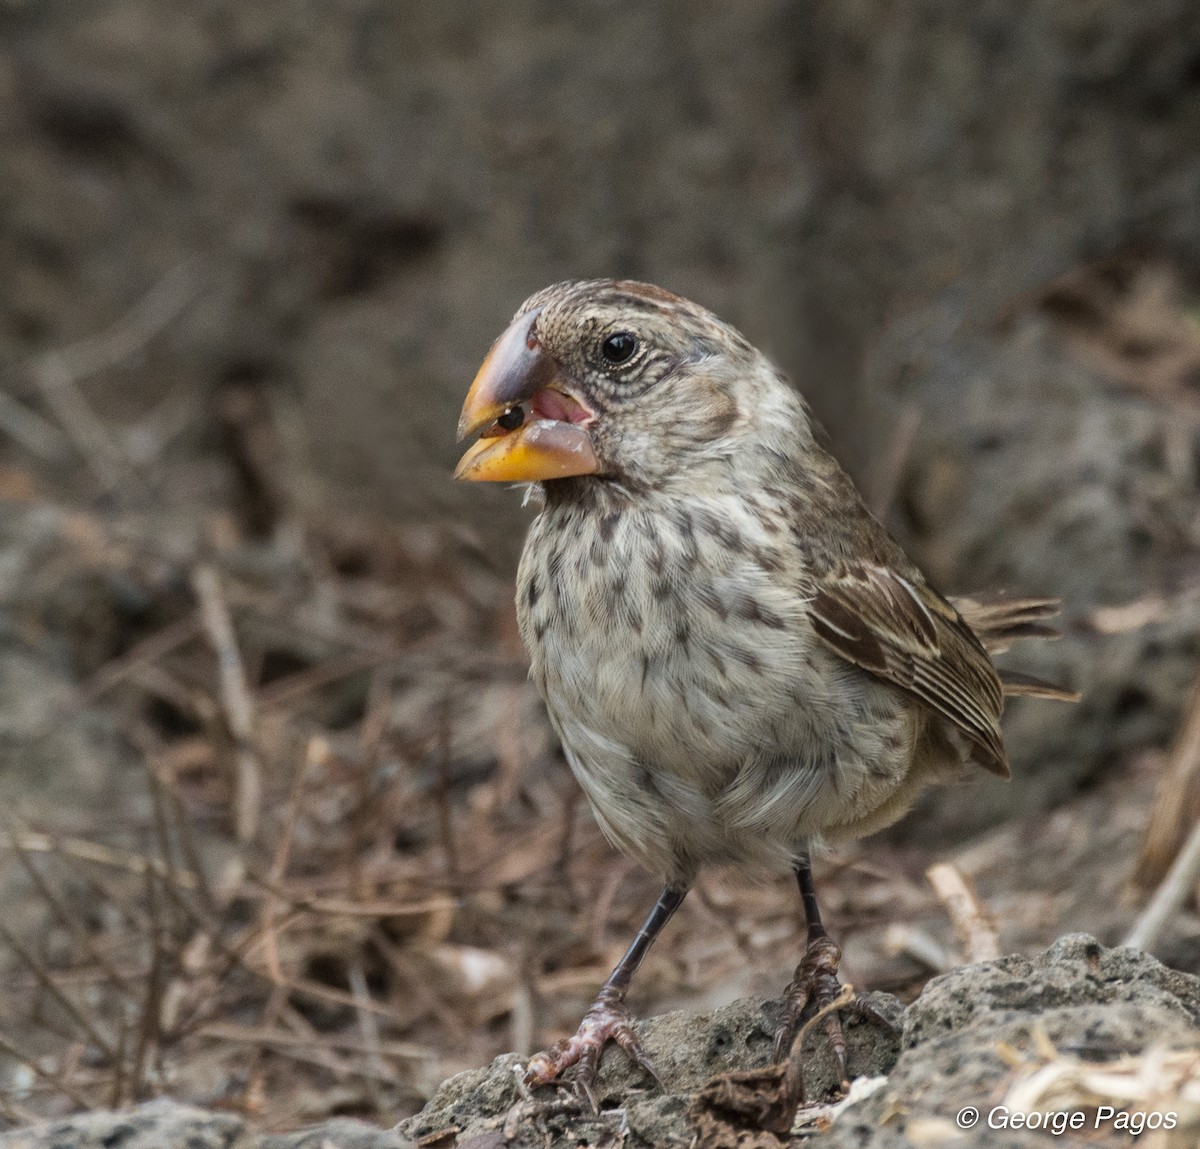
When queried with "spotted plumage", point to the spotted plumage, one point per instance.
{"points": [[738, 659]]}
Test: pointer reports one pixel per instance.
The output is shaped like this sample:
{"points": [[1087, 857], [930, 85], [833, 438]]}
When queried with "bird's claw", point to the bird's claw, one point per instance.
{"points": [[608, 1020], [816, 981]]}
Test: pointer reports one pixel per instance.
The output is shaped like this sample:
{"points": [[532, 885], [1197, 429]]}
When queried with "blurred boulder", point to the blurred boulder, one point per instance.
{"points": [[340, 207], [1041, 474]]}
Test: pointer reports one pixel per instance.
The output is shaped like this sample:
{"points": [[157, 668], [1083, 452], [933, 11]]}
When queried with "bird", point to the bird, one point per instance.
{"points": [[740, 662]]}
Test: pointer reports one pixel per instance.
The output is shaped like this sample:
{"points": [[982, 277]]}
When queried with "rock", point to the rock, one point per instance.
{"points": [[866, 174], [809, 174], [953, 1048], [163, 1124], [1088, 1001], [1073, 976], [156, 1125], [340, 1133], [1040, 476], [688, 1050]]}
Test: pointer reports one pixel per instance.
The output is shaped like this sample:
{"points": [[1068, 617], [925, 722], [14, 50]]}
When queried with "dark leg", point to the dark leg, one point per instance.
{"points": [[815, 980], [808, 899], [608, 1019]]}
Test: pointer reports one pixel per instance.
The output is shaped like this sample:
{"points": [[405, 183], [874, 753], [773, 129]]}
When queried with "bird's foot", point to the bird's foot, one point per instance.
{"points": [[608, 1020], [816, 981]]}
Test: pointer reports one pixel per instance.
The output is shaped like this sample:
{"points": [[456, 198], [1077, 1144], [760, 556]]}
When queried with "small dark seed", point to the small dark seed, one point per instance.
{"points": [[511, 419]]}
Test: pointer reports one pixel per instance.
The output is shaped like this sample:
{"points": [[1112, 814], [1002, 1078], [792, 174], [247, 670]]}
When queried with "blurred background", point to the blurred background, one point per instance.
{"points": [[285, 829]]}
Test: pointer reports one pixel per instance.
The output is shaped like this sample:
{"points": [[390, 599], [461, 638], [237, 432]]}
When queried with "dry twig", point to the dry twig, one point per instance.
{"points": [[235, 701], [1177, 803], [972, 922], [37, 435], [82, 850], [46, 981], [1181, 879]]}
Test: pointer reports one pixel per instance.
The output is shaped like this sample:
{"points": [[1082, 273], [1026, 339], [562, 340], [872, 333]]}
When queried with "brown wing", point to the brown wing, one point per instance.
{"points": [[904, 632]]}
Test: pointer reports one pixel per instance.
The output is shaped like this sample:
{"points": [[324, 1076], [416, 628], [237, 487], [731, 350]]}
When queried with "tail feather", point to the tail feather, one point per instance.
{"points": [[998, 623], [1014, 682]]}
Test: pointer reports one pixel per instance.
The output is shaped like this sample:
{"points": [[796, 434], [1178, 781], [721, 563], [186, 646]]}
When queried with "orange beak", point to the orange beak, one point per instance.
{"points": [[534, 428]]}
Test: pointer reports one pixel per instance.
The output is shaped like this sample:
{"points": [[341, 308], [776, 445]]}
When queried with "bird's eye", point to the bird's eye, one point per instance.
{"points": [[618, 348]]}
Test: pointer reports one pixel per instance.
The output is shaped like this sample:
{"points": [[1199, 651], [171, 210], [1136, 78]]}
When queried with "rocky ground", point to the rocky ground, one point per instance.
{"points": [[1104, 1042]]}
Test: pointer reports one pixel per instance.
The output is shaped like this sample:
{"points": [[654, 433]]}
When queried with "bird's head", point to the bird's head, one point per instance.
{"points": [[619, 380]]}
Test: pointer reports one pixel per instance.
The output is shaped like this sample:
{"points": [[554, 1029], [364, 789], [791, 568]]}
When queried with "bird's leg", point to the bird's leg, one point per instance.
{"points": [[608, 1019], [816, 981]]}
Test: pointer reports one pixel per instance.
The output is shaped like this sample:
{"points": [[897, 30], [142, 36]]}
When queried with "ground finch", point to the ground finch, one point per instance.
{"points": [[737, 657]]}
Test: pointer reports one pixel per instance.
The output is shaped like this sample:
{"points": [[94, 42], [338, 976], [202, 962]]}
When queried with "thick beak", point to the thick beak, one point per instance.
{"points": [[548, 438]]}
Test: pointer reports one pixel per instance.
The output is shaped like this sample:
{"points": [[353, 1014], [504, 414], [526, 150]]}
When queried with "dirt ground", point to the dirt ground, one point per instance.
{"points": [[286, 831]]}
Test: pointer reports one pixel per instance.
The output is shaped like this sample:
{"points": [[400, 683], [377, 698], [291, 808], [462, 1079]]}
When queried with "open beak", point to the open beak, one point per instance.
{"points": [[534, 425]]}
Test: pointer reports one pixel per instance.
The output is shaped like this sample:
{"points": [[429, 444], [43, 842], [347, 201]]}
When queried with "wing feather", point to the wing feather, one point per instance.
{"points": [[901, 630]]}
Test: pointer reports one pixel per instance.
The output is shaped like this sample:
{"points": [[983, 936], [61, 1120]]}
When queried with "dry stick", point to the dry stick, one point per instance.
{"points": [[235, 700], [197, 878], [46, 980], [54, 1080], [236, 957], [100, 450], [562, 866], [415, 986], [17, 1114], [137, 327], [176, 691], [116, 1096], [148, 650], [68, 920], [252, 1071], [972, 921], [445, 817], [187, 840], [160, 824], [338, 907], [315, 1053], [1180, 881], [901, 938], [82, 850], [57, 373], [37, 435], [368, 1027], [374, 728], [245, 1035], [314, 752], [304, 682], [522, 1011], [150, 1023], [1177, 801], [792, 1085], [316, 991], [159, 986], [104, 894], [306, 987], [269, 925], [618, 871]]}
